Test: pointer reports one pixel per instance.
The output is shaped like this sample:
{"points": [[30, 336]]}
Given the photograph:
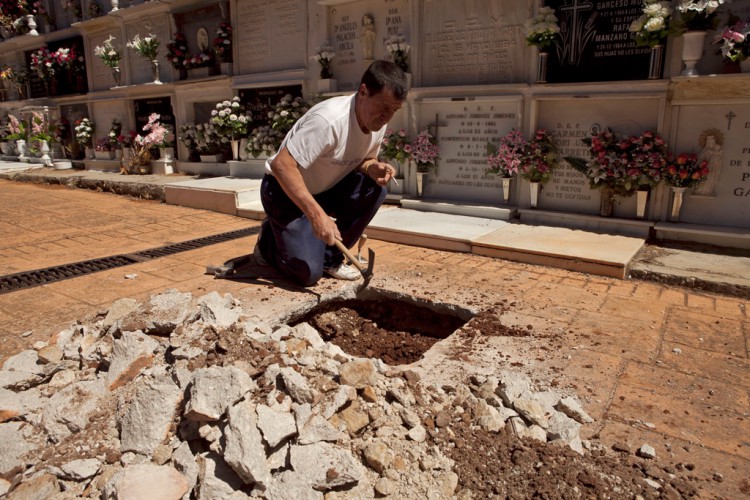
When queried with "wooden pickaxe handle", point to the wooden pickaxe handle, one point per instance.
{"points": [[340, 245]]}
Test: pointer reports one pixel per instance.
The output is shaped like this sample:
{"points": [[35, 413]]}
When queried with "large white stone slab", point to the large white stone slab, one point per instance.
{"points": [[434, 230], [220, 194], [571, 249]]}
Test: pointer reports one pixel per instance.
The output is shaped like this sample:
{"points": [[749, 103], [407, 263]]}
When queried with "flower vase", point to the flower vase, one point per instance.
{"points": [[534, 193], [420, 183], [244, 155], [46, 158], [677, 202], [326, 85], [90, 153], [118, 154], [31, 23], [541, 67], [745, 65], [21, 147], [235, 149], [155, 71], [116, 76], [655, 62], [607, 202], [226, 68], [4, 147], [506, 189], [115, 5], [641, 198], [692, 51], [166, 154]]}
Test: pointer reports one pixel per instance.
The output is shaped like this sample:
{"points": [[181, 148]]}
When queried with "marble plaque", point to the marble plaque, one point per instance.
{"points": [[569, 121], [104, 112], [464, 128], [596, 42], [199, 27], [724, 199], [355, 45], [260, 101], [473, 42], [270, 35], [140, 68]]}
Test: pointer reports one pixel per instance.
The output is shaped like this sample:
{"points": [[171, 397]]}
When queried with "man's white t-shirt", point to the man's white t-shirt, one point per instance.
{"points": [[328, 143]]}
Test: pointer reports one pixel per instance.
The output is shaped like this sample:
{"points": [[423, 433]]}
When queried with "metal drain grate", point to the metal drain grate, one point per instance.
{"points": [[28, 279], [193, 244]]}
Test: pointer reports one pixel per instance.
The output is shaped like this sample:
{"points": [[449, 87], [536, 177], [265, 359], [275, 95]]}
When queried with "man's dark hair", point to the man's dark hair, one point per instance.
{"points": [[386, 74]]}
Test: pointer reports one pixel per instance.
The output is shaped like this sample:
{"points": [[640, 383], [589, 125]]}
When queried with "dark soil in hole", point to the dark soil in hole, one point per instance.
{"points": [[395, 331]]}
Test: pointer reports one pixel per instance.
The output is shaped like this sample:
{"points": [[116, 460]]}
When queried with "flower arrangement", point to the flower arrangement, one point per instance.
{"points": [[188, 136], [505, 158], [148, 47], [647, 159], [539, 158], [84, 130], [95, 9], [230, 119], [17, 130], [323, 56], [267, 138], [43, 63], [107, 53], [425, 151], [198, 60], [208, 139], [542, 29], [142, 144], [396, 146], [398, 50], [41, 128], [623, 163], [652, 28], [223, 41], [74, 7], [695, 15], [177, 50], [103, 144], [735, 41], [684, 170], [114, 133]]}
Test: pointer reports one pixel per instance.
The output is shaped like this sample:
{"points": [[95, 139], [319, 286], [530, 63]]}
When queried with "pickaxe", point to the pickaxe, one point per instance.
{"points": [[365, 270]]}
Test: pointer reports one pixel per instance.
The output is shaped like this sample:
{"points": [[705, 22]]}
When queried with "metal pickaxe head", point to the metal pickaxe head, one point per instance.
{"points": [[366, 271]]}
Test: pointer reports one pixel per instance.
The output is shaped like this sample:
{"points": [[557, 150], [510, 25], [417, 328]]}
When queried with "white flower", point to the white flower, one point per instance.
{"points": [[655, 24]]}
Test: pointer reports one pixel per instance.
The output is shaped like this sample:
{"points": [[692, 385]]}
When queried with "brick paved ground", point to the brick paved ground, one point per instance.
{"points": [[653, 364]]}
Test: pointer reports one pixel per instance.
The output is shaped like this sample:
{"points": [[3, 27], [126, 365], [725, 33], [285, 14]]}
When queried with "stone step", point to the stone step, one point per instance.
{"points": [[219, 194]]}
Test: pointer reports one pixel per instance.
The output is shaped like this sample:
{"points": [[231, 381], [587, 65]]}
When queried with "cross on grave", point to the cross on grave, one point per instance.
{"points": [[436, 125], [730, 116], [573, 9]]}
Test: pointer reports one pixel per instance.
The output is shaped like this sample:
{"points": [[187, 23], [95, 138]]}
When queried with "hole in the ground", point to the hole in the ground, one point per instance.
{"points": [[390, 327]]}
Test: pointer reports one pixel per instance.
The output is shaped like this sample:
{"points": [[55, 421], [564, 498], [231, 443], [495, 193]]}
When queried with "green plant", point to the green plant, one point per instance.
{"points": [[652, 27], [107, 53]]}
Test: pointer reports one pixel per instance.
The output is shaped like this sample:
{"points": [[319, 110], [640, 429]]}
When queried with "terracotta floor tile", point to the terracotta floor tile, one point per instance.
{"points": [[703, 331], [704, 302], [645, 291], [626, 307], [678, 451], [622, 288], [705, 364], [637, 339]]}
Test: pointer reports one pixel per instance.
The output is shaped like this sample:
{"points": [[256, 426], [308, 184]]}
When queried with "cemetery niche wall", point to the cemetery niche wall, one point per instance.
{"points": [[720, 134]]}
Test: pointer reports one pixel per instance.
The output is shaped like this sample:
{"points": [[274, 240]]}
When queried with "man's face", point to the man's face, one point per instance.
{"points": [[376, 110]]}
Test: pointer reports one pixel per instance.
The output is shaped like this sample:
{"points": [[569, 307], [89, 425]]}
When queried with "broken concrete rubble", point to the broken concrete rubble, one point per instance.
{"points": [[284, 415]]}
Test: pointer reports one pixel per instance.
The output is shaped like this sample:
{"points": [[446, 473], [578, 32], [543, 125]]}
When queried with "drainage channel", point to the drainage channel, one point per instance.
{"points": [[29, 279]]}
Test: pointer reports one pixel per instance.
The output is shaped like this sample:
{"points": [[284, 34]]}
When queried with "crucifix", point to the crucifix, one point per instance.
{"points": [[573, 8], [436, 126], [730, 116]]}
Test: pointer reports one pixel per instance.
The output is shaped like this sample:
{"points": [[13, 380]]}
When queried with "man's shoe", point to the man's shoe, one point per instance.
{"points": [[259, 260], [342, 272]]}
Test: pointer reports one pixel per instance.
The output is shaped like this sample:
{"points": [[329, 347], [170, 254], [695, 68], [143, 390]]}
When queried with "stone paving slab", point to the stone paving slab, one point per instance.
{"points": [[433, 230], [604, 254]]}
